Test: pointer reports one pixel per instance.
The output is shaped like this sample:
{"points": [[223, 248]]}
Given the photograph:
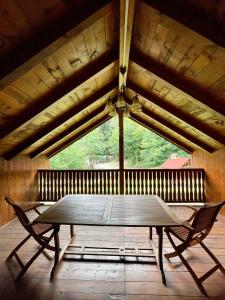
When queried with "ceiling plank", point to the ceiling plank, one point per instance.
{"points": [[126, 24], [174, 128], [87, 130], [159, 132], [67, 131], [46, 42], [99, 66], [209, 26], [201, 97], [188, 119], [60, 120]]}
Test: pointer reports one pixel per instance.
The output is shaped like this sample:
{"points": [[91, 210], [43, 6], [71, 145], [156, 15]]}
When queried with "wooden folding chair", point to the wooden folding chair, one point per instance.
{"points": [[35, 230], [194, 233]]}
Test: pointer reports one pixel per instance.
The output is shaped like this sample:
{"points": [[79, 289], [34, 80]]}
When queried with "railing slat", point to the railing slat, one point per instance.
{"points": [[172, 185]]}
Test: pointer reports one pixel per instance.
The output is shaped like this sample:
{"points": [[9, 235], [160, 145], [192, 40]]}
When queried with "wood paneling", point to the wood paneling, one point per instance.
{"points": [[18, 180], [214, 165]]}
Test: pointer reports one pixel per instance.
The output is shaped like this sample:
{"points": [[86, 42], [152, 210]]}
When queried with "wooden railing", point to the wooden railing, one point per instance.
{"points": [[172, 185]]}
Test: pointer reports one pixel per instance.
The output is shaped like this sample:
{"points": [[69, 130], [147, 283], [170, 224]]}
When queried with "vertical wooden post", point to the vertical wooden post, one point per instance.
{"points": [[121, 150]]}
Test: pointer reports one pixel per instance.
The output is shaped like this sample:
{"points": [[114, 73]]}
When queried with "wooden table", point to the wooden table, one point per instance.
{"points": [[111, 210]]}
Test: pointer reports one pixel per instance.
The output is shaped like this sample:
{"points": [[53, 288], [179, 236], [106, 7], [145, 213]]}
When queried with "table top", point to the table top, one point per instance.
{"points": [[110, 210]]}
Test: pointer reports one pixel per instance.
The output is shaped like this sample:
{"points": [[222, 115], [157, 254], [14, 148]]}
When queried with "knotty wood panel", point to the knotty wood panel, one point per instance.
{"points": [[174, 96], [56, 110], [18, 180], [214, 165], [180, 48]]}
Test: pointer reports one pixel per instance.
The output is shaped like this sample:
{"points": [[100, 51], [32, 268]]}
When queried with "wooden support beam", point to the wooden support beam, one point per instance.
{"points": [[201, 97], [177, 130], [209, 25], [48, 40], [67, 131], [121, 149], [126, 24], [159, 132], [174, 128], [188, 119], [60, 120], [92, 70], [79, 135]]}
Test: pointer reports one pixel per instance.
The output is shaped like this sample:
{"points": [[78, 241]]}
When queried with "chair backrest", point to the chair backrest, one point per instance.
{"points": [[205, 218], [19, 212]]}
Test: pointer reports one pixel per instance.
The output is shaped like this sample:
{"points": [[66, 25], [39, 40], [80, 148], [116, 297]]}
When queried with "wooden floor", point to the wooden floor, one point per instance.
{"points": [[109, 281]]}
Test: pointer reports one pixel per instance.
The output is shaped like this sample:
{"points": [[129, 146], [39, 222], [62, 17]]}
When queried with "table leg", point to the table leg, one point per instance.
{"points": [[159, 231], [150, 233], [71, 231], [57, 248]]}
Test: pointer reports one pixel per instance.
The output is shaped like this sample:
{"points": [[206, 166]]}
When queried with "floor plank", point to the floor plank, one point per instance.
{"points": [[109, 281]]}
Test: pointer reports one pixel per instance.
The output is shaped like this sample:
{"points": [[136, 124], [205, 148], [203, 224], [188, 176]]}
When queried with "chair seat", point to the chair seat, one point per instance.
{"points": [[180, 232], [40, 228]]}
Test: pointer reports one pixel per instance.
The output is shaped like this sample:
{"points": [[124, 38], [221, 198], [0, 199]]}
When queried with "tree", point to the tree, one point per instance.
{"points": [[142, 148]]}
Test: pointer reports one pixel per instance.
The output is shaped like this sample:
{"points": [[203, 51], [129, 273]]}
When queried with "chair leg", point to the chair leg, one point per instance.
{"points": [[28, 264], [189, 268], [194, 276], [213, 257], [18, 247]]}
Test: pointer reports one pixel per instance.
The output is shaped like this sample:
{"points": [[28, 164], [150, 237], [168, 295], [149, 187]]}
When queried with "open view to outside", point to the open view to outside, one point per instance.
{"points": [[99, 149]]}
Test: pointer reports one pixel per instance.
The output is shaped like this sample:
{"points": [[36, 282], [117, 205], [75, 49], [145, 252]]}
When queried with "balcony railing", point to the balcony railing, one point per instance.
{"points": [[172, 185]]}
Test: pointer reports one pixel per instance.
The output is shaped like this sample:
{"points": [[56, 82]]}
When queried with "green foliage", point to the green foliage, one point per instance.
{"points": [[146, 149], [142, 148]]}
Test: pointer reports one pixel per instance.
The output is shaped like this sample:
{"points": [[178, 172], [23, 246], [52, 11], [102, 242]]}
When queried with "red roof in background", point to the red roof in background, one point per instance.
{"points": [[175, 163]]}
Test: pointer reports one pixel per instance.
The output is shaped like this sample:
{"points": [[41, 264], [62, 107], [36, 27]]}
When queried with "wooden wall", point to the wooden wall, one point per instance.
{"points": [[18, 181], [214, 165]]}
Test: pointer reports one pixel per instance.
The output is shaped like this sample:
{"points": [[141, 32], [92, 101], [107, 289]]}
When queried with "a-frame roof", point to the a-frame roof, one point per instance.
{"points": [[60, 61]]}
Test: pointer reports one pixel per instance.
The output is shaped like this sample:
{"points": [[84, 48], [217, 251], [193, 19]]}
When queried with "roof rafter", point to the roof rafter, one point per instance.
{"points": [[159, 132], [46, 42], [87, 130], [176, 129], [188, 119], [126, 24], [60, 120], [90, 71], [203, 98], [67, 131], [189, 16]]}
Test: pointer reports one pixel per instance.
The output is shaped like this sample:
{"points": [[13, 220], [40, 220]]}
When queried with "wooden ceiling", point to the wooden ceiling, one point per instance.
{"points": [[60, 60]]}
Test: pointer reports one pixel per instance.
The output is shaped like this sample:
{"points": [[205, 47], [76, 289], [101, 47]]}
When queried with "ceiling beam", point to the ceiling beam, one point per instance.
{"points": [[176, 129], [87, 130], [67, 131], [174, 111], [201, 97], [126, 24], [159, 132], [76, 109], [210, 26], [91, 71], [48, 40]]}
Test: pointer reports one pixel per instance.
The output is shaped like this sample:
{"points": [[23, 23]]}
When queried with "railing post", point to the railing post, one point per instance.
{"points": [[121, 150]]}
